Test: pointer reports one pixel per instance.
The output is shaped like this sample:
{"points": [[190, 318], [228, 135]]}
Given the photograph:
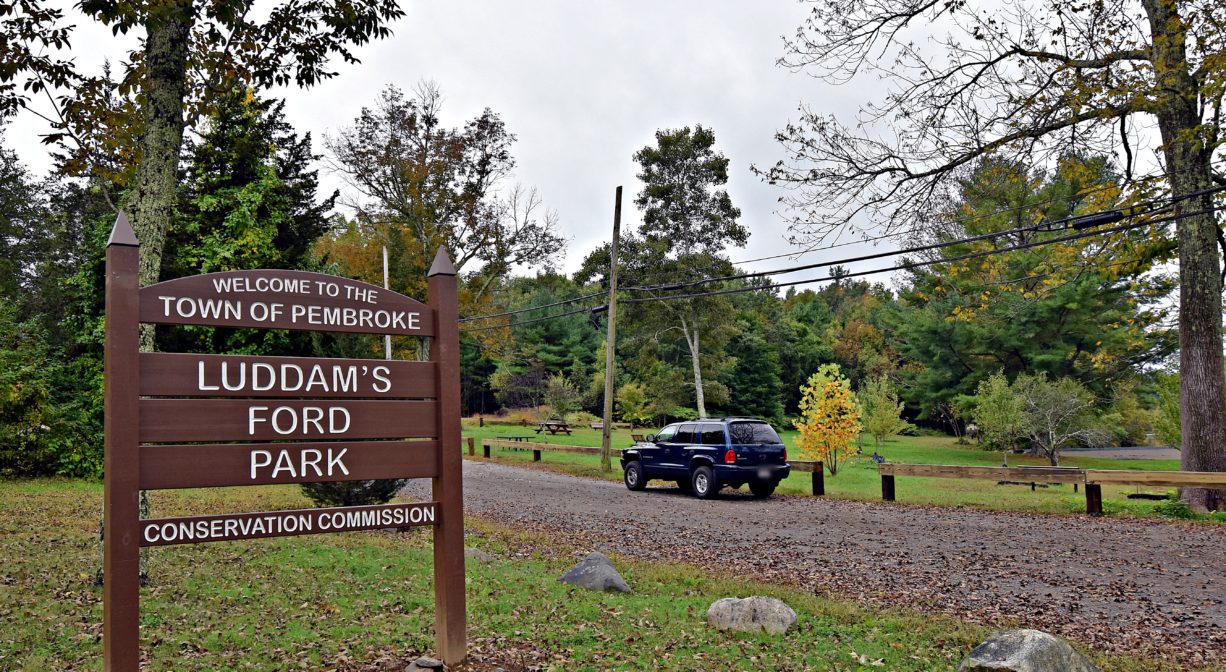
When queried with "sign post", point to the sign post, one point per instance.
{"points": [[449, 609], [121, 507], [208, 420]]}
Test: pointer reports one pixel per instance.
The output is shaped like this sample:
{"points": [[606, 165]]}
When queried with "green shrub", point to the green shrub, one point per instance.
{"points": [[353, 493]]}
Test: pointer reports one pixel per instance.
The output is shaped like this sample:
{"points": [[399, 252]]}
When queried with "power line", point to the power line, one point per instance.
{"points": [[973, 218], [1075, 221], [531, 308], [920, 264], [880, 255], [529, 321], [895, 268]]}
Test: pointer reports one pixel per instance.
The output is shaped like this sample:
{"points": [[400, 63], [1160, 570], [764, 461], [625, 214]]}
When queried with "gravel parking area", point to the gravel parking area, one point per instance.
{"points": [[1124, 585]]}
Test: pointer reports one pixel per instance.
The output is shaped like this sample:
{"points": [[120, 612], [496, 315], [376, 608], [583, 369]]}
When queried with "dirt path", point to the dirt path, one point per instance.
{"points": [[1123, 585]]}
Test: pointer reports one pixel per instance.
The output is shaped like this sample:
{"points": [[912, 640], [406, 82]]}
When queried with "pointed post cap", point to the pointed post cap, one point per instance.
{"points": [[123, 234], [442, 264]]}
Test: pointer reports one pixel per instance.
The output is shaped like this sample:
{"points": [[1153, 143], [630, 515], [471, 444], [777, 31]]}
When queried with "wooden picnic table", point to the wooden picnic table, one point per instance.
{"points": [[554, 427]]}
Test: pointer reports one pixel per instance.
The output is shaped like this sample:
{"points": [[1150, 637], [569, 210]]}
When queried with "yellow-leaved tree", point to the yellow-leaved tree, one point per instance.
{"points": [[829, 419]]}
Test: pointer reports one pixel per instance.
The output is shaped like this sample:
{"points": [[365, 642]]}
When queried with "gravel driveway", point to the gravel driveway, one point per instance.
{"points": [[1124, 585]]}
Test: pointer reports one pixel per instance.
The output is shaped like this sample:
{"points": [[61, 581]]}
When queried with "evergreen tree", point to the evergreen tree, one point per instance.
{"points": [[1083, 309], [248, 201], [754, 385]]}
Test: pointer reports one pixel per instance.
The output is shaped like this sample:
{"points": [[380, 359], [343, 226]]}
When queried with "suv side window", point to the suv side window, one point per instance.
{"points": [[666, 434], [713, 435], [687, 434]]}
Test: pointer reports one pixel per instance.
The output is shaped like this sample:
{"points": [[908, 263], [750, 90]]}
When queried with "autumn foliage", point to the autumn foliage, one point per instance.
{"points": [[829, 420]]}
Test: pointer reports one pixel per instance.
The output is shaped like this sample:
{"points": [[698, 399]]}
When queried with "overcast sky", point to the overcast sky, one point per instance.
{"points": [[583, 86]]}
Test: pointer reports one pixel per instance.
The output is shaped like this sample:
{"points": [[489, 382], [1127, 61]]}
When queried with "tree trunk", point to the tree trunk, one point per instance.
{"points": [[151, 203], [691, 339], [1201, 395]]}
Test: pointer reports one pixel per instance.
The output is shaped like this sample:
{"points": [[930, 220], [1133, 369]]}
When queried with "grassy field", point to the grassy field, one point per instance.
{"points": [[859, 479], [362, 601]]}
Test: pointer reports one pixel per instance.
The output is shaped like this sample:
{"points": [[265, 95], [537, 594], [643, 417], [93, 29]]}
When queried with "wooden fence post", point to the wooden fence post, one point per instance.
{"points": [[472, 446], [1094, 499], [887, 487], [819, 479], [485, 448], [536, 455]]}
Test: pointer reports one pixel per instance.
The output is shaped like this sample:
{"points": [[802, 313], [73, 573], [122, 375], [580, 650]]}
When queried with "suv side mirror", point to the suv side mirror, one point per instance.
{"points": [[651, 438]]}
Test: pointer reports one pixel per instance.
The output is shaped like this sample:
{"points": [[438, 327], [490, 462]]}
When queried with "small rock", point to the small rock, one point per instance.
{"points": [[752, 614], [424, 663], [1025, 651], [479, 555], [595, 572]]}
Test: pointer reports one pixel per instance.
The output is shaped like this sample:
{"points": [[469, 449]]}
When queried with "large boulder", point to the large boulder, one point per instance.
{"points": [[595, 572], [424, 664], [752, 614], [1025, 651]]}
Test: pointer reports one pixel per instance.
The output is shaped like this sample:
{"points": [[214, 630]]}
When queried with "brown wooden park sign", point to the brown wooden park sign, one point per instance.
{"points": [[193, 421]]}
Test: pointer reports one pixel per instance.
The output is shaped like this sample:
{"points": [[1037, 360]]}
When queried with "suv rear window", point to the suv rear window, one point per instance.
{"points": [[712, 435], [752, 432]]}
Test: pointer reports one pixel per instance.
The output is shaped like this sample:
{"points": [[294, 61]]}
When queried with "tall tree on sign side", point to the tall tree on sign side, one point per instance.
{"points": [[1029, 80], [190, 52]]}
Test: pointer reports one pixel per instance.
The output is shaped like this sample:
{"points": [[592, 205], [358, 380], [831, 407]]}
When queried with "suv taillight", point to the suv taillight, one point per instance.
{"points": [[785, 454], [730, 457]]}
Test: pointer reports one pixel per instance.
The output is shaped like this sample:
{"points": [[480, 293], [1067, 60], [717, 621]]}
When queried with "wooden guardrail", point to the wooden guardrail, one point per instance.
{"points": [[1095, 478], [1020, 474], [1092, 478], [535, 446], [816, 472]]}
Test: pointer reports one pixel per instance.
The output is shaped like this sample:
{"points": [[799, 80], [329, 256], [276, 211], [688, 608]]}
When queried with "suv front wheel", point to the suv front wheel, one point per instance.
{"points": [[633, 475], [703, 483]]}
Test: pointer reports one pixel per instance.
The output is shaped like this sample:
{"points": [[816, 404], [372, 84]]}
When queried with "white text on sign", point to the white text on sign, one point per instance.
{"points": [[187, 307], [288, 420], [289, 377], [323, 463]]}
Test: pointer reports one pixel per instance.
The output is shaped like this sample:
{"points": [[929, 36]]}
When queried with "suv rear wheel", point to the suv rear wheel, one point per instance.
{"points": [[704, 484], [762, 489], [633, 476]]}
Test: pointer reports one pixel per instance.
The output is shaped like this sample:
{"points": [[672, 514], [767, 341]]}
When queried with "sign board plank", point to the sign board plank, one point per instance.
{"points": [[201, 420], [165, 467], [177, 375], [236, 526], [272, 299]]}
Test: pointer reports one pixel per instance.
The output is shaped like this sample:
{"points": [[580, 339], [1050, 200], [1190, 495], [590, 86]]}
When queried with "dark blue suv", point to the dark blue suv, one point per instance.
{"points": [[703, 456]]}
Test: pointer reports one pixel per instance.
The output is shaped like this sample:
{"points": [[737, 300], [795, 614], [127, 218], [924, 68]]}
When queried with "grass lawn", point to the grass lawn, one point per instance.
{"points": [[362, 601], [859, 479]]}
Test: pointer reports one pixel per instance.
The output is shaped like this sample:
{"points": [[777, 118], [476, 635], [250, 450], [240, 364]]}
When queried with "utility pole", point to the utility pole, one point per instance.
{"points": [[387, 338], [606, 438]]}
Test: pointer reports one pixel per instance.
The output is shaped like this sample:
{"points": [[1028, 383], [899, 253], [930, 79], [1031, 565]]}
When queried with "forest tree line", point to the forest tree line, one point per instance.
{"points": [[1091, 314]]}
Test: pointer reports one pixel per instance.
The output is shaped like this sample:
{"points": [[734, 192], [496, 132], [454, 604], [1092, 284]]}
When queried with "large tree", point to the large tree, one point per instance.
{"points": [[247, 200], [1088, 308], [688, 221], [1026, 79], [190, 51], [421, 184]]}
